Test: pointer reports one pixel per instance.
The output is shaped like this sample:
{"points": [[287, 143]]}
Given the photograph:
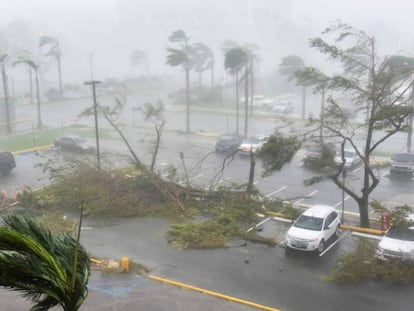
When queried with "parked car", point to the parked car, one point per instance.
{"points": [[74, 144], [253, 143], [313, 229], [7, 162], [396, 245], [282, 107], [228, 143], [351, 158], [403, 163], [314, 152]]}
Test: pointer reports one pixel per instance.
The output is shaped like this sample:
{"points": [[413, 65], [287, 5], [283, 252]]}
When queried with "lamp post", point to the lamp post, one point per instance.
{"points": [[94, 83], [343, 194]]}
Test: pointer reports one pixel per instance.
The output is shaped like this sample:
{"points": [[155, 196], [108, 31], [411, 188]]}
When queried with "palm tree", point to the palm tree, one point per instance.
{"points": [[289, 66], [402, 66], [204, 60], [53, 51], [183, 57], [24, 54], [234, 71], [237, 59], [254, 52], [47, 268], [140, 58], [5, 90], [35, 68]]}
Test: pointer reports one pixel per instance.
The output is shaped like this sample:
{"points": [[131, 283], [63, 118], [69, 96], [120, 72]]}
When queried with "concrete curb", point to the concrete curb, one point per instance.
{"points": [[211, 293]]}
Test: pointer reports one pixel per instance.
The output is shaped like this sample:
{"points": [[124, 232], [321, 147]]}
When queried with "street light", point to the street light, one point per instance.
{"points": [[94, 83], [343, 194]]}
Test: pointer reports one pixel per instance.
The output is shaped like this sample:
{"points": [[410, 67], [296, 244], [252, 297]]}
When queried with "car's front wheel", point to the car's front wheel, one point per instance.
{"points": [[338, 231], [321, 246]]}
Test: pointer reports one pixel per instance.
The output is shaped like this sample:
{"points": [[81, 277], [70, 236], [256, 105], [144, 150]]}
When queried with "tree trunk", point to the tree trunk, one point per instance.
{"points": [[410, 121], [60, 74], [252, 89], [237, 103], [187, 99], [251, 173], [39, 114], [303, 102], [363, 212], [31, 85], [6, 97], [246, 101]]}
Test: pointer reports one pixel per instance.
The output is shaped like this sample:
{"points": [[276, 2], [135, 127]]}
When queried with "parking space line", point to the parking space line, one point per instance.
{"points": [[357, 169], [340, 202], [211, 293], [194, 177], [334, 243], [259, 224], [276, 191], [306, 197]]}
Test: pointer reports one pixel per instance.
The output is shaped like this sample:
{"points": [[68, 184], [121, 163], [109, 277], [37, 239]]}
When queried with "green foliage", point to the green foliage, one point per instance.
{"points": [[277, 151], [225, 219], [361, 265], [40, 265]]}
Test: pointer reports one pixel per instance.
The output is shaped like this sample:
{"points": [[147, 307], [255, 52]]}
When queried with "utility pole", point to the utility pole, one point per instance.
{"points": [[95, 109], [410, 121]]}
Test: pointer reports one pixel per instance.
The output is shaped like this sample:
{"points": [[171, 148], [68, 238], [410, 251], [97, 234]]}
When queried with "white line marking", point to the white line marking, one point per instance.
{"points": [[276, 191], [334, 243], [340, 202], [357, 169], [259, 224], [194, 177], [307, 197]]}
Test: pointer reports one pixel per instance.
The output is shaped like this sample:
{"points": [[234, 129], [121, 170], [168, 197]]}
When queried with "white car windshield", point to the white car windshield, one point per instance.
{"points": [[309, 222], [401, 234]]}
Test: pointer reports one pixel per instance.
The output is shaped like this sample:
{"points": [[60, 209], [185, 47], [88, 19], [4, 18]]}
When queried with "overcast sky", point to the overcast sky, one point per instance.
{"points": [[111, 29]]}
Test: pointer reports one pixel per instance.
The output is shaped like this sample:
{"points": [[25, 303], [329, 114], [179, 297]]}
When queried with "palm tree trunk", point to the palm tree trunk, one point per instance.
{"points": [[246, 101], [251, 173], [237, 103], [39, 115], [6, 98], [31, 85], [252, 88], [187, 99], [60, 74], [212, 74], [303, 102]]}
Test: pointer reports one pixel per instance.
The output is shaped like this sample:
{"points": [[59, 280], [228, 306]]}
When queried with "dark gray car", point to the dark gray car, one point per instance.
{"points": [[7, 162]]}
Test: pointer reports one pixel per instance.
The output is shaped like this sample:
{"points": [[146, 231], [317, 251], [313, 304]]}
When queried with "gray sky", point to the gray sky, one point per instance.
{"points": [[111, 29]]}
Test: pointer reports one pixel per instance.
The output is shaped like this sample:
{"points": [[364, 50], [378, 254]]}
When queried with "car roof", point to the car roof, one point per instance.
{"points": [[319, 210]]}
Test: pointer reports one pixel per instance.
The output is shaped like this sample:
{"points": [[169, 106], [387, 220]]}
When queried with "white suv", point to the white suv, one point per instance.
{"points": [[396, 245], [313, 228]]}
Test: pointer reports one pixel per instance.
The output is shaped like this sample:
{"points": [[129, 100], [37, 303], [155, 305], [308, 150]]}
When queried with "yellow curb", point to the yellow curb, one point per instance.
{"points": [[31, 149], [277, 214], [365, 230], [211, 293], [208, 134]]}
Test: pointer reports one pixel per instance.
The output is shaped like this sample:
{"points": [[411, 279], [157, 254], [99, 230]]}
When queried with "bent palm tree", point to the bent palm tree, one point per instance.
{"points": [[40, 265], [140, 58], [204, 60], [35, 68], [182, 57], [237, 59], [53, 51]]}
